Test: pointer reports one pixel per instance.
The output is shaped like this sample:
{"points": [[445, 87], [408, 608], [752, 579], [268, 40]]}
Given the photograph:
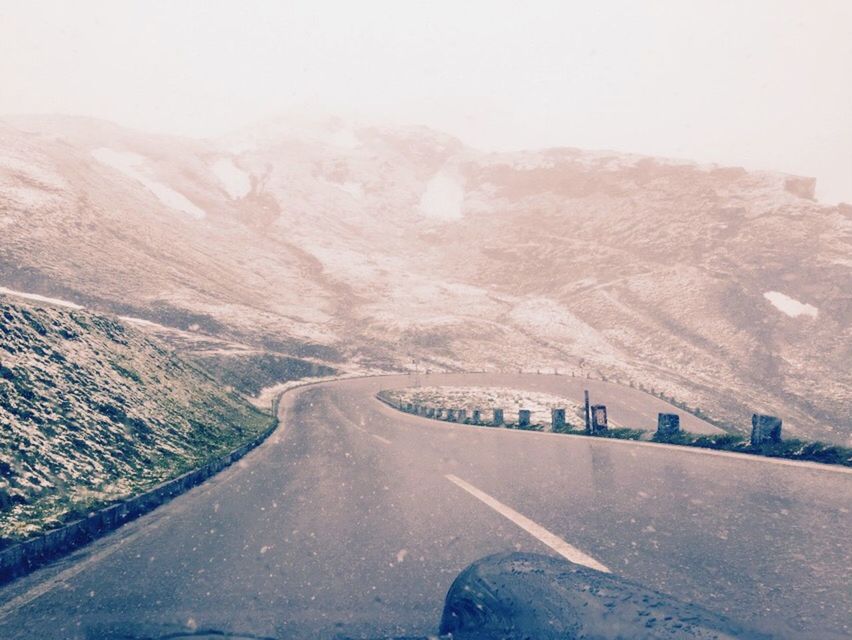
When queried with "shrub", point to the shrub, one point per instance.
{"points": [[726, 441], [620, 434], [568, 428], [674, 438], [130, 374], [794, 449], [529, 427]]}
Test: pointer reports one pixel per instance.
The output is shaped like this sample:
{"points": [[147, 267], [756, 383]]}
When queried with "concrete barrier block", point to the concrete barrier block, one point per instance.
{"points": [[599, 419], [765, 429], [668, 424]]}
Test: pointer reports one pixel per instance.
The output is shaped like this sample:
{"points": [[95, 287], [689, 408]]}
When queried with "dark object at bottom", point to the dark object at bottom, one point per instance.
{"points": [[514, 596]]}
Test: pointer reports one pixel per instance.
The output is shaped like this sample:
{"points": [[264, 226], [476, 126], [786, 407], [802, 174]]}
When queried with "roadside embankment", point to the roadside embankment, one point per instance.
{"points": [[94, 412]]}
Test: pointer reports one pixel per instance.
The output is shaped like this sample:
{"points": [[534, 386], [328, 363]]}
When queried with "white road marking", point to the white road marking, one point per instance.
{"points": [[537, 531], [363, 430], [64, 576]]}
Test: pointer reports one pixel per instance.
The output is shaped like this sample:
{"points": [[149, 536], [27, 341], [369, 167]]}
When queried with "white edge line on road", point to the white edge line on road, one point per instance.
{"points": [[535, 530], [380, 438]]}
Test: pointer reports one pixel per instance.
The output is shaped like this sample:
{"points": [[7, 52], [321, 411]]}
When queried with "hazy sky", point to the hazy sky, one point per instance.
{"points": [[762, 84]]}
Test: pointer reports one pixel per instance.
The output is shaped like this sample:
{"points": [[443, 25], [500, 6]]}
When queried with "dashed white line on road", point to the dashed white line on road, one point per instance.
{"points": [[535, 530], [380, 438]]}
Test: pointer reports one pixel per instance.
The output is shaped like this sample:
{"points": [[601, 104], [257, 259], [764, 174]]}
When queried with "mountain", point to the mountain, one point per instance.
{"points": [[92, 410], [355, 246]]}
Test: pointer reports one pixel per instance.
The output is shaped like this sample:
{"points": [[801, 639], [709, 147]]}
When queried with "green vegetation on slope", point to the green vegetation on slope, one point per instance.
{"points": [[92, 411], [251, 372], [792, 449]]}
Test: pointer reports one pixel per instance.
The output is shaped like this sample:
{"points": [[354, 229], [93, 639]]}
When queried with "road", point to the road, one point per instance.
{"points": [[353, 519]]}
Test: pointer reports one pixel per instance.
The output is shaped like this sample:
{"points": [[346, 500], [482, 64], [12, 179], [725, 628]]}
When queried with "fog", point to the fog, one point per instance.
{"points": [[758, 84]]}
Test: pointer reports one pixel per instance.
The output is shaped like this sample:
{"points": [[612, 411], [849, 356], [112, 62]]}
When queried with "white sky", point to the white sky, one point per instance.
{"points": [[764, 84]]}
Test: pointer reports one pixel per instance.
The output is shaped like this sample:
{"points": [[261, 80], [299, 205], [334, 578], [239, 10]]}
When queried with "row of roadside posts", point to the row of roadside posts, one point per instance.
{"points": [[765, 429]]}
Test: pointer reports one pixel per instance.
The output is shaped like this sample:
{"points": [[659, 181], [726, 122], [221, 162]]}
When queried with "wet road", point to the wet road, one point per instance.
{"points": [[353, 520]]}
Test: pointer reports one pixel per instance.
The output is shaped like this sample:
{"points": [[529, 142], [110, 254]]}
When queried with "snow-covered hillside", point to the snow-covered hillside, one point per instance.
{"points": [[92, 410], [372, 246]]}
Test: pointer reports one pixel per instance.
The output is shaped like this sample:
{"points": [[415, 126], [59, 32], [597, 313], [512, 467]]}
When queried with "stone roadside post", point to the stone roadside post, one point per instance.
{"points": [[668, 424], [765, 429]]}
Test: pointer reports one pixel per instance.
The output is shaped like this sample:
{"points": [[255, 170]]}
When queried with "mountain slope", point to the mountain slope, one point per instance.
{"points": [[92, 410], [370, 246]]}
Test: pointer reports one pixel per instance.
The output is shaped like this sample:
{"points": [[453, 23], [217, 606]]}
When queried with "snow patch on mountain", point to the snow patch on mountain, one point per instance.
{"points": [[135, 166], [28, 185], [26, 198], [548, 319], [33, 172], [412, 300], [443, 197], [347, 264], [39, 298], [235, 181], [790, 306]]}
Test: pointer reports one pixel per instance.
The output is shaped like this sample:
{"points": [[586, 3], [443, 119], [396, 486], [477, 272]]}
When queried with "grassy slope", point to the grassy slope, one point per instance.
{"points": [[92, 410], [250, 373]]}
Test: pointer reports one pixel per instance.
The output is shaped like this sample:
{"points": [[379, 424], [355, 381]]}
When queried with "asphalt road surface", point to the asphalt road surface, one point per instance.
{"points": [[353, 519]]}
